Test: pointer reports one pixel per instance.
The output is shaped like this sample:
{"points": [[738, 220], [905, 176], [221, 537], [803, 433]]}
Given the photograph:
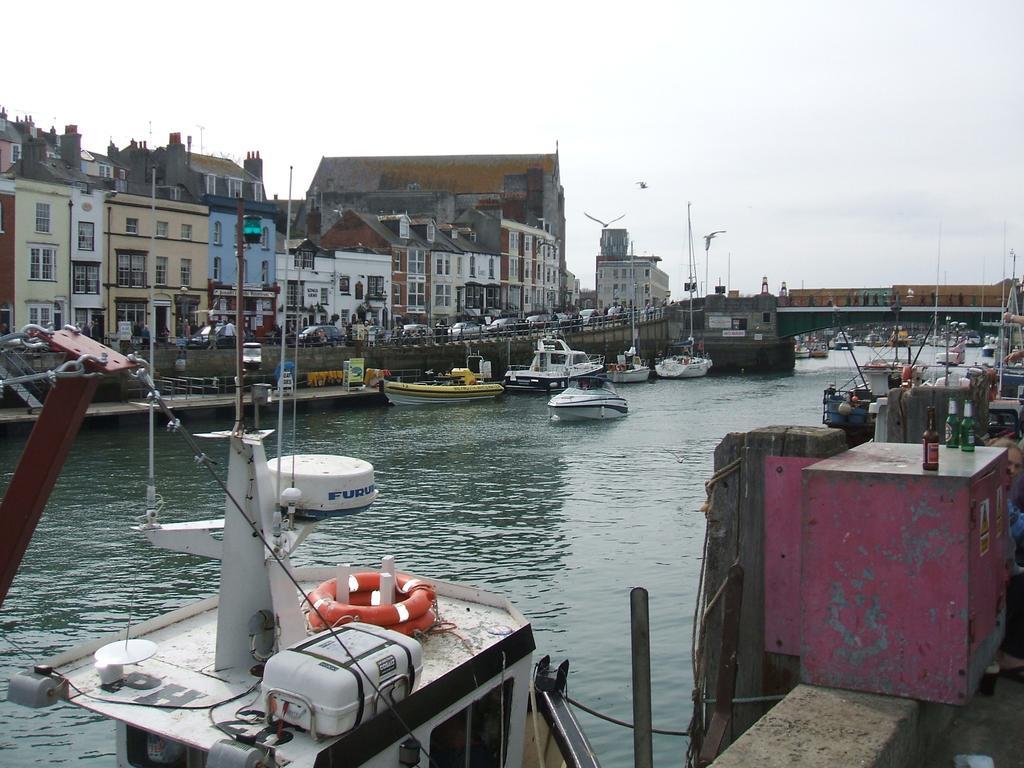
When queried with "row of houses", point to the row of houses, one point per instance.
{"points": [[129, 237]]}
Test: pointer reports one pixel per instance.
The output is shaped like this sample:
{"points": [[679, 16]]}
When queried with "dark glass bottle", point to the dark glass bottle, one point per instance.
{"points": [[930, 443]]}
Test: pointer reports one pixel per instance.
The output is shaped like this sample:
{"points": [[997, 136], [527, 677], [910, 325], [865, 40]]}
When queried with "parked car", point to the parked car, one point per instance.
{"points": [[201, 340], [588, 316], [466, 330], [416, 330], [504, 325], [321, 336], [539, 320]]}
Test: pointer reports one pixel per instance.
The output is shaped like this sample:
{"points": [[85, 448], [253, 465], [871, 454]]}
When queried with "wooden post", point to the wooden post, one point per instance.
{"points": [[736, 534]]}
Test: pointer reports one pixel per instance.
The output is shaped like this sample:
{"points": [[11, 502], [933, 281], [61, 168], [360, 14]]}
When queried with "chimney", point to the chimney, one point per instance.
{"points": [[175, 138], [71, 147], [313, 224], [33, 153], [254, 165], [176, 164]]}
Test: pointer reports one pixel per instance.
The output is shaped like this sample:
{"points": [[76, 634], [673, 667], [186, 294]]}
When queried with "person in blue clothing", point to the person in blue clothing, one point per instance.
{"points": [[1011, 652]]}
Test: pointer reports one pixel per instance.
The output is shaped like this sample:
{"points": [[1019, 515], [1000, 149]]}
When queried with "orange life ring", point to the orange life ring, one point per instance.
{"points": [[409, 615]]}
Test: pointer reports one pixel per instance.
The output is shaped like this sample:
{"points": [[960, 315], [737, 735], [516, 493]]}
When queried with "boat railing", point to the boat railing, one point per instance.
{"points": [[406, 375]]}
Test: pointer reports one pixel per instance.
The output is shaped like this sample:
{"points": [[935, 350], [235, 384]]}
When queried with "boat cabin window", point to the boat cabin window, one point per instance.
{"points": [[476, 737], [558, 358], [147, 750], [579, 357]]}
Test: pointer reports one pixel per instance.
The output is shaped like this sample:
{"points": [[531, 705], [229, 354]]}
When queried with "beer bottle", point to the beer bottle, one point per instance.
{"points": [[930, 443], [967, 429], [952, 426]]}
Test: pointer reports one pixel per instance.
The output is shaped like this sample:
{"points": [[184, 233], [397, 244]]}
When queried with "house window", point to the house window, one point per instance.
{"points": [[40, 314], [438, 264], [323, 297], [513, 269], [131, 226], [472, 265], [186, 271], [458, 266], [161, 229], [527, 245], [398, 261], [359, 291], [375, 286], [490, 268], [257, 192], [42, 217], [87, 278], [403, 229], [264, 237], [106, 171], [293, 293], [396, 293], [417, 293], [513, 243], [216, 267], [161, 270], [86, 236], [442, 295], [304, 259], [131, 270], [417, 262], [211, 184], [343, 285], [234, 187], [265, 272], [15, 152], [430, 232], [186, 231], [133, 312], [41, 262], [217, 233]]}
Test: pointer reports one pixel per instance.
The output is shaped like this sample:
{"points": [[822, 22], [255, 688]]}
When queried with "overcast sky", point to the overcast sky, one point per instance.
{"points": [[838, 143]]}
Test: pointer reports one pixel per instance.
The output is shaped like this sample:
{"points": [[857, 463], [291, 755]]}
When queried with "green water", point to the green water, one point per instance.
{"points": [[563, 518]]}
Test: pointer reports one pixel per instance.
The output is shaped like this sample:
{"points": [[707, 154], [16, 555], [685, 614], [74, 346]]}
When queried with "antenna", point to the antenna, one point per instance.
{"points": [[202, 146]]}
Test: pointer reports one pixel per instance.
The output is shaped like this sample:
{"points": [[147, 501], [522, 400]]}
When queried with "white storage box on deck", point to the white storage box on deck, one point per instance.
{"points": [[326, 689]]}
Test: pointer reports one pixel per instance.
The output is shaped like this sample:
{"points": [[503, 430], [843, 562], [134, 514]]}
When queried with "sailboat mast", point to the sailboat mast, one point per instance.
{"points": [[692, 267]]}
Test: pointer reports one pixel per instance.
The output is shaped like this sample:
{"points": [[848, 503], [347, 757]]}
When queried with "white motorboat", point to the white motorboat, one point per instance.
{"points": [[553, 366], [588, 398], [801, 351], [683, 366], [628, 369], [269, 671]]}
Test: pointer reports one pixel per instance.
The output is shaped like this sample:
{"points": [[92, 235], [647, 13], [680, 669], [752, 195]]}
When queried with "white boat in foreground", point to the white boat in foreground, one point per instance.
{"points": [[588, 398], [270, 672]]}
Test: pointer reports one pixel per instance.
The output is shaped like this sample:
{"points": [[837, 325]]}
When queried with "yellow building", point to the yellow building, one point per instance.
{"points": [[41, 276], [165, 242]]}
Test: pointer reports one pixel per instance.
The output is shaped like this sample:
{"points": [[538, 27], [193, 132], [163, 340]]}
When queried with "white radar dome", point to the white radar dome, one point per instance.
{"points": [[331, 486]]}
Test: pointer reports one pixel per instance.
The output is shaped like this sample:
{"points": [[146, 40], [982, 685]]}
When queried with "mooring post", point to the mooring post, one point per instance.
{"points": [[640, 631]]}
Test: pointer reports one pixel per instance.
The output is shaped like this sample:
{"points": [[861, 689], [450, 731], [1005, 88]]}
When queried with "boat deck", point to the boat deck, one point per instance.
{"points": [[177, 691]]}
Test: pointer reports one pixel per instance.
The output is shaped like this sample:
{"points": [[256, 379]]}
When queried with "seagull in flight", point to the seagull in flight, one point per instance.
{"points": [[709, 238], [642, 184], [604, 224]]}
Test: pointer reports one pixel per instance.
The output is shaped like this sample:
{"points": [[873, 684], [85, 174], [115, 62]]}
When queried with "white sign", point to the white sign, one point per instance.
{"points": [[734, 334], [758, 337], [312, 294], [124, 330], [719, 321]]}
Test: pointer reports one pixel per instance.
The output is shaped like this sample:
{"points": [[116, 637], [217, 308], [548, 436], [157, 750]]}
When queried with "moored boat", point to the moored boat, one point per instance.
{"points": [[461, 385], [628, 369], [588, 398], [801, 351], [683, 366], [553, 366]]}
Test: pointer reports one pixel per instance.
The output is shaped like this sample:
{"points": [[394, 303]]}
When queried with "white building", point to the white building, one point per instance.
{"points": [[631, 280], [363, 279]]}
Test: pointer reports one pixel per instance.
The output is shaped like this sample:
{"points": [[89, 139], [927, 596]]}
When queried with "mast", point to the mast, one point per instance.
{"points": [[691, 266]]}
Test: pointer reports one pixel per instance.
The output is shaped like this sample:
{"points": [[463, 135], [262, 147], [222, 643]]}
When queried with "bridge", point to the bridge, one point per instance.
{"points": [[806, 310]]}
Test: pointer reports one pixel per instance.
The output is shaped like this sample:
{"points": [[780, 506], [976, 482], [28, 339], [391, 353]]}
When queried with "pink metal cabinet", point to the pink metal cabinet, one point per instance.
{"points": [[903, 571]]}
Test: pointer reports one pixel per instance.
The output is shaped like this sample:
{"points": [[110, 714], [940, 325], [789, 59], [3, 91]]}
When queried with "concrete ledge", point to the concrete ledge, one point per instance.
{"points": [[825, 726]]}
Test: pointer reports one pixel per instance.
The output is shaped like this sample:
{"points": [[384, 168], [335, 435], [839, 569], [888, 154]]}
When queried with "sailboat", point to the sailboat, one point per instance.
{"points": [[629, 368], [689, 361]]}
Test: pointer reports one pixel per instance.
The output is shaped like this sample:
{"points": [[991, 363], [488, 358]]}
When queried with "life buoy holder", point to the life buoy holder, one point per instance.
{"points": [[409, 615]]}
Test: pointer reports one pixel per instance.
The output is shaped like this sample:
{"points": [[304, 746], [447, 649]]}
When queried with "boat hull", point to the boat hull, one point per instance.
{"points": [[439, 394], [683, 368], [540, 381], [592, 412], [630, 375]]}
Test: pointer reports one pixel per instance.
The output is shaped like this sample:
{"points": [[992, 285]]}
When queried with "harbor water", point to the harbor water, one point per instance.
{"points": [[564, 518]]}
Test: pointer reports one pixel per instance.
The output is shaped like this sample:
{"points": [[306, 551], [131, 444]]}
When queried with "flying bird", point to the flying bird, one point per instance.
{"points": [[604, 224], [642, 184], [709, 238]]}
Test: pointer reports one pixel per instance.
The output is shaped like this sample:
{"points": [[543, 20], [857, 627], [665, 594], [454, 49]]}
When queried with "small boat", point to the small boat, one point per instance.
{"points": [[683, 366], [460, 385], [801, 351], [819, 351], [841, 342], [628, 369], [588, 398], [553, 366]]}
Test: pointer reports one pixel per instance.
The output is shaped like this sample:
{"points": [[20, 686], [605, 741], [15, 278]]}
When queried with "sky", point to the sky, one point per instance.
{"points": [[837, 143]]}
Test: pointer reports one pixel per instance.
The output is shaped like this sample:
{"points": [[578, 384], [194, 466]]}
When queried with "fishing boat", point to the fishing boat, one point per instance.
{"points": [[553, 367], [460, 385], [285, 665], [688, 361], [588, 398], [801, 351], [841, 342], [819, 351], [629, 368]]}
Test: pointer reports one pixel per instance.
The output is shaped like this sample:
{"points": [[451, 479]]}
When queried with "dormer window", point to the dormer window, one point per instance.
{"points": [[234, 187], [211, 184], [430, 231], [106, 171], [403, 228]]}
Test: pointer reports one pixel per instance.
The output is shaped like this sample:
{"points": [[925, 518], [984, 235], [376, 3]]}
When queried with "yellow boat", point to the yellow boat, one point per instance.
{"points": [[459, 386]]}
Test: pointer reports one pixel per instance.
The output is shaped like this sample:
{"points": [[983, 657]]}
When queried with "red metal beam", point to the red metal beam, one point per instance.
{"points": [[47, 448]]}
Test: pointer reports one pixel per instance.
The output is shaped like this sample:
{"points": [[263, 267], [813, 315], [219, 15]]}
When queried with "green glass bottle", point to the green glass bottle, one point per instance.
{"points": [[967, 429], [952, 426]]}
